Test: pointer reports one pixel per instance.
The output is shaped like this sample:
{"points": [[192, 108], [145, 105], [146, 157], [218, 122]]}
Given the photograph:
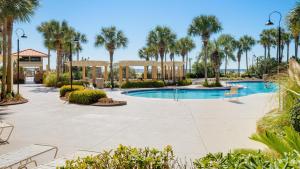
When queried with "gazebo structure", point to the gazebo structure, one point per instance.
{"points": [[168, 67], [30, 59], [93, 64]]}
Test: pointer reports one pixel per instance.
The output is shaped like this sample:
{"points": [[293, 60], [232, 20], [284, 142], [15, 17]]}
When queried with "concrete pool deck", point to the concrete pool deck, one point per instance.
{"points": [[192, 127]]}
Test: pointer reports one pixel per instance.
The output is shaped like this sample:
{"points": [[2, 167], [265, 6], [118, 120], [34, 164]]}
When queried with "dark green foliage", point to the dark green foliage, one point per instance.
{"points": [[86, 96], [127, 158], [213, 84], [257, 160], [67, 88], [295, 117], [185, 82], [50, 80], [143, 84], [198, 70]]}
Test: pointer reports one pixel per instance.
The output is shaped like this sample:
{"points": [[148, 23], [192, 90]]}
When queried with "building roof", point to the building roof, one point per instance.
{"points": [[31, 52]]}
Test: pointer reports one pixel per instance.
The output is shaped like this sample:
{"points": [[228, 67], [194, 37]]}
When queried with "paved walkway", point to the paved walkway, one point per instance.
{"points": [[192, 127]]}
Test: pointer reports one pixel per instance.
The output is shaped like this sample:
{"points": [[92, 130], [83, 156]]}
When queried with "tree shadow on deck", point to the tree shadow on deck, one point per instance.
{"points": [[44, 90]]}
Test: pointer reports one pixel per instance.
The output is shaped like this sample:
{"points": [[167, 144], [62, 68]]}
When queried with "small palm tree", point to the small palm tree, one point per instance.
{"points": [[111, 39], [184, 46], [247, 43], [46, 29], [204, 26], [81, 40], [11, 11], [228, 45], [216, 56], [160, 38]]}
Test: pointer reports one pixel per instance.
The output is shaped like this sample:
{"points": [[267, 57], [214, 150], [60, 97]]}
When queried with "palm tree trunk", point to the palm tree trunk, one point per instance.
{"points": [[58, 58], [4, 55], [161, 53], [111, 57], [48, 68], [265, 52], [239, 66], [186, 64], [183, 60], [9, 55], [247, 60], [217, 74], [296, 46], [226, 62], [205, 61], [173, 69], [269, 49], [287, 52]]}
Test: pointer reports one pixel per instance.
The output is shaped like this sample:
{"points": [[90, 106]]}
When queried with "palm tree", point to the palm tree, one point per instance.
{"points": [[146, 53], [58, 40], [173, 48], [184, 46], [12, 11], [264, 42], [160, 38], [247, 43], [4, 61], [227, 42], [216, 55], [205, 26], [287, 37], [239, 45], [46, 29], [111, 39], [293, 22], [267, 38], [81, 39]]}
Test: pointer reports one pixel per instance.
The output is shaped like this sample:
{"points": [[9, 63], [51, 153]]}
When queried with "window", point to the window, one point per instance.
{"points": [[35, 59]]}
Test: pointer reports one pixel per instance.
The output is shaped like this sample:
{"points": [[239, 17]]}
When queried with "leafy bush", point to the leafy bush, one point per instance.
{"points": [[250, 161], [281, 144], [191, 75], [127, 158], [213, 84], [50, 80], [143, 84], [67, 88], [86, 96], [185, 82], [295, 117]]}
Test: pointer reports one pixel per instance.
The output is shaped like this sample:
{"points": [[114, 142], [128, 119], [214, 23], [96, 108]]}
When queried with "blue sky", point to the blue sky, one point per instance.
{"points": [[137, 17]]}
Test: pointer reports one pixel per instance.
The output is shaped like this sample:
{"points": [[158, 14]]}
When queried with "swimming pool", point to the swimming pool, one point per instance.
{"points": [[248, 89]]}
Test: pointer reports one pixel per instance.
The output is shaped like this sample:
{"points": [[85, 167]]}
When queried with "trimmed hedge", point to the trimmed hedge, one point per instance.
{"points": [[67, 88], [185, 82], [143, 84], [86, 96]]}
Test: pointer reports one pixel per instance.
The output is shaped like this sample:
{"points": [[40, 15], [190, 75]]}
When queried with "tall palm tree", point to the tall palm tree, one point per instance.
{"points": [[240, 51], [46, 29], [4, 60], [184, 46], [81, 40], [13, 11], [216, 55], [173, 48], [228, 45], [293, 22], [267, 39], [287, 37], [264, 42], [111, 39], [247, 43], [145, 53], [160, 38], [58, 40], [204, 26]]}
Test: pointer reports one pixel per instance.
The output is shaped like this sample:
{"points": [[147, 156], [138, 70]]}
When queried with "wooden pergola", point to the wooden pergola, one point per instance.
{"points": [[91, 63], [168, 67]]}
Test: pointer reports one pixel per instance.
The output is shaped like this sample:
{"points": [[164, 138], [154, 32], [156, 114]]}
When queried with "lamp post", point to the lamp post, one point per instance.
{"points": [[76, 40], [270, 23], [18, 60]]}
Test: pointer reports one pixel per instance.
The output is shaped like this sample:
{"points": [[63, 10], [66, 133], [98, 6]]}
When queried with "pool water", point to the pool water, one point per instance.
{"points": [[249, 88]]}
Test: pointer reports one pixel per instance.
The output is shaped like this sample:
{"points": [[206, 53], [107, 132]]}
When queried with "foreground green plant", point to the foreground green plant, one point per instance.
{"points": [[127, 158], [67, 88], [86, 96]]}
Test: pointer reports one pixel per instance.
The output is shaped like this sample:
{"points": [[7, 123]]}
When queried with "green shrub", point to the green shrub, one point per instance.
{"points": [[185, 82], [143, 84], [127, 158], [191, 75], [295, 117], [67, 88], [213, 84], [50, 80], [250, 161], [86, 96]]}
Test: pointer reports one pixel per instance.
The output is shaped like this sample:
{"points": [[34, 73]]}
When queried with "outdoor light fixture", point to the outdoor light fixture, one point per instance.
{"points": [[18, 62], [270, 23]]}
